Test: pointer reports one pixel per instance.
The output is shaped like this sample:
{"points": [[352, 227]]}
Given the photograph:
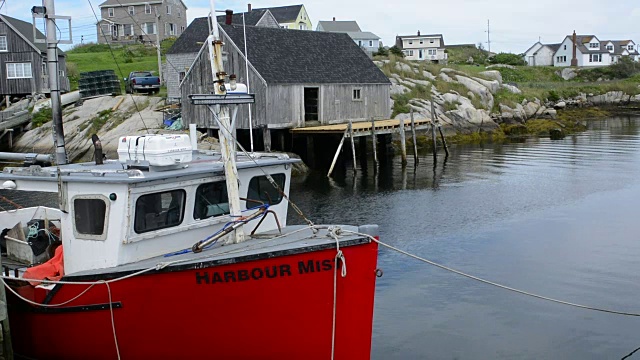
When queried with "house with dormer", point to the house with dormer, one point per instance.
{"points": [[368, 41], [290, 17], [129, 21], [590, 51], [423, 47]]}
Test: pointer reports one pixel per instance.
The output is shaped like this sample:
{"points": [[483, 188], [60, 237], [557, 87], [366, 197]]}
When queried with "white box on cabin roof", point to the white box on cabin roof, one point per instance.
{"points": [[156, 150]]}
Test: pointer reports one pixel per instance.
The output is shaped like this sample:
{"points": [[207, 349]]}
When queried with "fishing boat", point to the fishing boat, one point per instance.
{"points": [[168, 252]]}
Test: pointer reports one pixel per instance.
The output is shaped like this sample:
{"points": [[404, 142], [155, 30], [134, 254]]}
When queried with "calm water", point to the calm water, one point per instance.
{"points": [[558, 218]]}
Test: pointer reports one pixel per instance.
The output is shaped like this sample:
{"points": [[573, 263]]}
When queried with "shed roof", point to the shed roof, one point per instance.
{"points": [[339, 26], [363, 35], [285, 14], [283, 56], [25, 30]]}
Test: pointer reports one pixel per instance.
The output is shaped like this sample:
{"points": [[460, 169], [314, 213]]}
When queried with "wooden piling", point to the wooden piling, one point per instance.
{"points": [[444, 141], [335, 157], [266, 138], [415, 140], [353, 147], [403, 143], [433, 129], [374, 141]]}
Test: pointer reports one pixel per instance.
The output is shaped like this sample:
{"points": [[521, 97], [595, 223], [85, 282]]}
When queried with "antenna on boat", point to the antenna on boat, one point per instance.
{"points": [[48, 12], [224, 95], [246, 62]]}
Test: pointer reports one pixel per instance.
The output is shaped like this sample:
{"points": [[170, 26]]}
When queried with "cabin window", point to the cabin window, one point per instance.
{"points": [[110, 10], [159, 211], [19, 71], [147, 9], [90, 217], [211, 200], [261, 191], [370, 43], [357, 94], [181, 76], [3, 43]]}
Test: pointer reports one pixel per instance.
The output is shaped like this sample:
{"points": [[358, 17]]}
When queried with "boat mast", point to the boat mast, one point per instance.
{"points": [[227, 143], [54, 81]]}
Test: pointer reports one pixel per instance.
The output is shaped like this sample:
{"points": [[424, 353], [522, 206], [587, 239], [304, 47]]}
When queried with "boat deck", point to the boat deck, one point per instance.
{"points": [[293, 240]]}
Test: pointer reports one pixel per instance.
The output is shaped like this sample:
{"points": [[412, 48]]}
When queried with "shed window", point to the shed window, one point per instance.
{"points": [[211, 200], [159, 210], [3, 43], [168, 9], [357, 94], [132, 10], [147, 9], [261, 191], [19, 71], [90, 216], [110, 10]]}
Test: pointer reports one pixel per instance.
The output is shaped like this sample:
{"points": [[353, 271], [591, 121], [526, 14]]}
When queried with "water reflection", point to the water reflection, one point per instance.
{"points": [[554, 217]]}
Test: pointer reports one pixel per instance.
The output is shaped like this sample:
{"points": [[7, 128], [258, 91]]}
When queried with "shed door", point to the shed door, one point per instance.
{"points": [[311, 102]]}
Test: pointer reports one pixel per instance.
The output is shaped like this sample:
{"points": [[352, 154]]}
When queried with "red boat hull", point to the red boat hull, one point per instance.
{"points": [[268, 308]]}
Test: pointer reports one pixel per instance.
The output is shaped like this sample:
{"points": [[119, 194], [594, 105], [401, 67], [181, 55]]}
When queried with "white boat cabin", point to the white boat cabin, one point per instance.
{"points": [[127, 211]]}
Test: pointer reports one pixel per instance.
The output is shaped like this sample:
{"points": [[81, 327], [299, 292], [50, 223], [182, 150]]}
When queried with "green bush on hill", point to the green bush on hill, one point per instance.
{"points": [[507, 59], [623, 69]]}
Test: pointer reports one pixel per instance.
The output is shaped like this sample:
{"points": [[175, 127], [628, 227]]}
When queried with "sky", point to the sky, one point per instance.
{"points": [[515, 25]]}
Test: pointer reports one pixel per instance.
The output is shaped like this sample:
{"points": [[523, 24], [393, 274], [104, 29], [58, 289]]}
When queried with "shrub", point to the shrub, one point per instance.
{"points": [[507, 59], [382, 51], [553, 96], [89, 48], [395, 50], [44, 115]]}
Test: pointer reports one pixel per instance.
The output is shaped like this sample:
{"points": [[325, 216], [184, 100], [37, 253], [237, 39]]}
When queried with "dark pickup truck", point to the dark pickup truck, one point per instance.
{"points": [[141, 81]]}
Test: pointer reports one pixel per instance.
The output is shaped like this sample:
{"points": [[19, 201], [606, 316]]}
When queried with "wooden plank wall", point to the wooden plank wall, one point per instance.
{"points": [[19, 51]]}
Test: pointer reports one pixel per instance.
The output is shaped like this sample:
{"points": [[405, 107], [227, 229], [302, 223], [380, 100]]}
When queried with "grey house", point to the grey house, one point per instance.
{"points": [[299, 78], [129, 21], [368, 41], [23, 69], [185, 50]]}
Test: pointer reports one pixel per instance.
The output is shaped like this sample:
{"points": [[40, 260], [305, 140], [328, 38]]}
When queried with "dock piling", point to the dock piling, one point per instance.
{"points": [[266, 138], [335, 157], [415, 140], [433, 130], [444, 141], [353, 147], [403, 143], [374, 141]]}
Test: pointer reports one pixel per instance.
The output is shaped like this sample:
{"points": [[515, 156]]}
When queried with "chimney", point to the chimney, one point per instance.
{"points": [[228, 17], [248, 7], [418, 32], [334, 18], [574, 59]]}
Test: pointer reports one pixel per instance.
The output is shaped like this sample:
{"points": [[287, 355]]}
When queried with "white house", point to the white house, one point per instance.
{"points": [[423, 47], [541, 54], [369, 42], [591, 51], [620, 48]]}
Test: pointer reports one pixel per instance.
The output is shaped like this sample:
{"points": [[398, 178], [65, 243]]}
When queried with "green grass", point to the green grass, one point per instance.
{"points": [[131, 58]]}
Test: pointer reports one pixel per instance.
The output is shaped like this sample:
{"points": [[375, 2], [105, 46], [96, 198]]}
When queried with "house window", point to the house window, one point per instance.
{"points": [[181, 29], [114, 30], [357, 94], [132, 10], [303, 26], [19, 71], [179, 13], [262, 192], [595, 58], [421, 42], [147, 9], [90, 216], [432, 51], [170, 29], [149, 28], [61, 73], [630, 47], [110, 10], [594, 45], [128, 30], [565, 47], [3, 43], [359, 42], [370, 43], [211, 200], [431, 41], [45, 71], [159, 211], [561, 59], [610, 47], [410, 52], [410, 42], [168, 9]]}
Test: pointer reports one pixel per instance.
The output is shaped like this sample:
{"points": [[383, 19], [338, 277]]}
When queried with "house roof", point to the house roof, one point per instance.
{"points": [[283, 56], [553, 47], [363, 35], [339, 26], [251, 18], [118, 3], [421, 36], [192, 38], [619, 46], [285, 14], [25, 30]]}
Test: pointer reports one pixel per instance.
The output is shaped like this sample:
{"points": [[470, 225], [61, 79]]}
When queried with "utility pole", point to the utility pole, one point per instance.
{"points": [[489, 36], [54, 81], [158, 44]]}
